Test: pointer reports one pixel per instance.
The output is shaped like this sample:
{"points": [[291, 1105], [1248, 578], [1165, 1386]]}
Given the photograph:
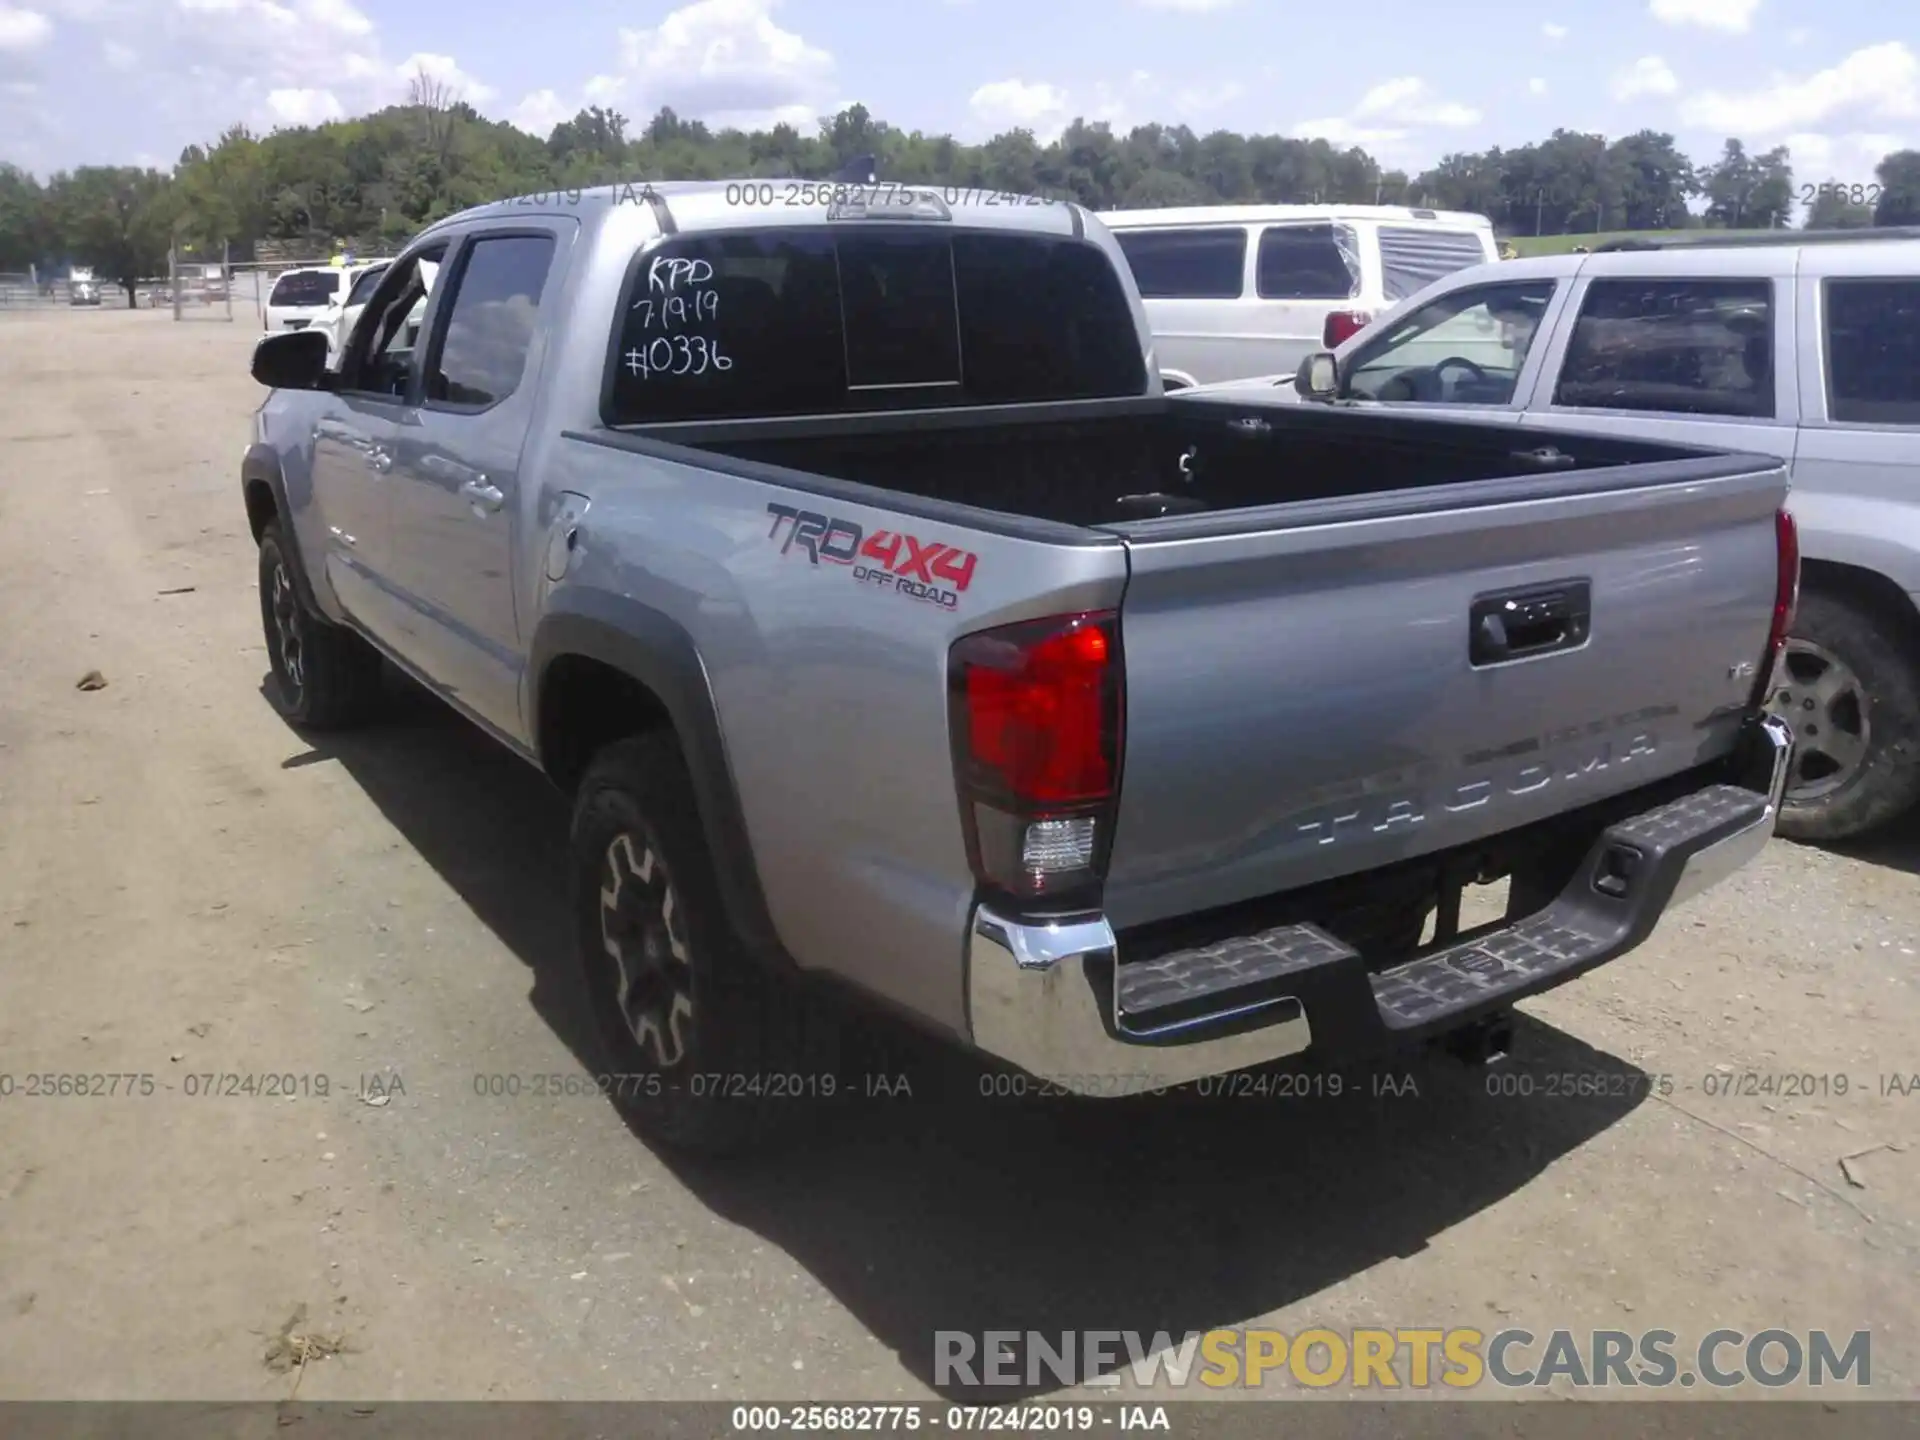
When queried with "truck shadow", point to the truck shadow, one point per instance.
{"points": [[927, 1198]]}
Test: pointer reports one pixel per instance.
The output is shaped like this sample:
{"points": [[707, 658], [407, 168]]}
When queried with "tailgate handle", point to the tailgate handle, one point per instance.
{"points": [[1538, 620]]}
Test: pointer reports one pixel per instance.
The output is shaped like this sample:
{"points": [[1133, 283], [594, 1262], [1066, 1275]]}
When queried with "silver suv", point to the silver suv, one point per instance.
{"points": [[1803, 346]]}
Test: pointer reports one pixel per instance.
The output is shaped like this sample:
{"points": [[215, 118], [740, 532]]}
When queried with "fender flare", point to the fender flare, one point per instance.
{"points": [[261, 466], [655, 650]]}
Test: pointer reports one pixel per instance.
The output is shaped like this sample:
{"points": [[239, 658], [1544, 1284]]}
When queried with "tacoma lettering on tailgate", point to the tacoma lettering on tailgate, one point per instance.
{"points": [[929, 570]]}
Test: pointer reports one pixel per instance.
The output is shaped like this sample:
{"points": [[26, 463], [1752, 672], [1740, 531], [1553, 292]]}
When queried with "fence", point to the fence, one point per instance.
{"points": [[26, 290], [200, 289]]}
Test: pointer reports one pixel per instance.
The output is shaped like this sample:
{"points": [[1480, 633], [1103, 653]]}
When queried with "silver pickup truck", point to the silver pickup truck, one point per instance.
{"points": [[840, 555]]}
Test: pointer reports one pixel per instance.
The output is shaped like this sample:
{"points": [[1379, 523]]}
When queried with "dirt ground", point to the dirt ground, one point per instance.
{"points": [[190, 888]]}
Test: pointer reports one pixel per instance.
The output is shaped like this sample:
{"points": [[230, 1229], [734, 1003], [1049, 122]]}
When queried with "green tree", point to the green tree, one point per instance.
{"points": [[1831, 210], [1899, 202], [23, 219], [114, 218], [1749, 191], [1656, 181]]}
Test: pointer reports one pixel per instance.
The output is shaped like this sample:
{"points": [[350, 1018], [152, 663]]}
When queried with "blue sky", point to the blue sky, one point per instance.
{"points": [[97, 81]]}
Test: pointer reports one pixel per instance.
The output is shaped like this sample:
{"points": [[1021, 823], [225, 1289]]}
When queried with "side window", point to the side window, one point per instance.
{"points": [[1186, 264], [1464, 348], [1873, 351], [1307, 262], [380, 360], [1685, 347], [495, 300], [363, 287], [1413, 257]]}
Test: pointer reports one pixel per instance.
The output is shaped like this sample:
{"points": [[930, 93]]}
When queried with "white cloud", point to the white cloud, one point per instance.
{"points": [[446, 71], [23, 29], [1553, 31], [1387, 118], [1881, 81], [1799, 35], [539, 112], [1733, 16], [1338, 130], [1019, 104], [1649, 75], [1190, 6], [1847, 159], [1409, 100], [726, 62], [340, 15], [1536, 86], [304, 107], [208, 63]]}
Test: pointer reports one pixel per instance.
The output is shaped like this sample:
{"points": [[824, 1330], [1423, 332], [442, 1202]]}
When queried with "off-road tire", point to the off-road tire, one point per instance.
{"points": [[753, 1049], [325, 677], [1887, 782]]}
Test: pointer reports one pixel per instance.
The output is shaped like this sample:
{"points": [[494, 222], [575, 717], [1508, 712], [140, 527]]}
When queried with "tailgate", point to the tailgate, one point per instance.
{"points": [[1323, 695]]}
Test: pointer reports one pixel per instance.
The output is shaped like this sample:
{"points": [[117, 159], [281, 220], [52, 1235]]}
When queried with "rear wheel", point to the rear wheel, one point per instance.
{"points": [[705, 1047], [325, 677], [1849, 686]]}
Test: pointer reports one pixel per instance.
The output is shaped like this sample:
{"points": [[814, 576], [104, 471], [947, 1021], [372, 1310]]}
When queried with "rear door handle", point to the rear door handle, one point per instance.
{"points": [[1534, 620], [484, 498]]}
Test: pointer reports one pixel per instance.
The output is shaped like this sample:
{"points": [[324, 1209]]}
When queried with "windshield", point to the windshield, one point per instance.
{"points": [[305, 287]]}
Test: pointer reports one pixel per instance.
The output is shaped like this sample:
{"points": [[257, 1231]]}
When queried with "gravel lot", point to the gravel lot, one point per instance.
{"points": [[188, 887]]}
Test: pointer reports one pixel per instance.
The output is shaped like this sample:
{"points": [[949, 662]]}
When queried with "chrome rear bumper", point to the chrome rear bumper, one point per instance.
{"points": [[1047, 997]]}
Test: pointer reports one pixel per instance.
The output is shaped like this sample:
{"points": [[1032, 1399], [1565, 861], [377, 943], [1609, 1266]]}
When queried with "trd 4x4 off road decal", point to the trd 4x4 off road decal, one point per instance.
{"points": [[891, 559]]}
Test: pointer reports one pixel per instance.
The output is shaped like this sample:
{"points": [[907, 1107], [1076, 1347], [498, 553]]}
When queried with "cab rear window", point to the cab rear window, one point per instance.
{"points": [[817, 320]]}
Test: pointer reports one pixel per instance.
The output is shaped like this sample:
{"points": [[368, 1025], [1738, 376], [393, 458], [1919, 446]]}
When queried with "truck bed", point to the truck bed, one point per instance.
{"points": [[1176, 457]]}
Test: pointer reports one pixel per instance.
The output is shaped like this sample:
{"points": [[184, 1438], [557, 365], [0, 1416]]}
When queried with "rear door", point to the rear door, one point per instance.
{"points": [[1695, 349], [456, 471], [1856, 473], [1305, 698]]}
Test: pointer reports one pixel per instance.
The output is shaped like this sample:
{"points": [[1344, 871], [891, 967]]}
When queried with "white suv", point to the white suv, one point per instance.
{"points": [[300, 297], [1233, 291]]}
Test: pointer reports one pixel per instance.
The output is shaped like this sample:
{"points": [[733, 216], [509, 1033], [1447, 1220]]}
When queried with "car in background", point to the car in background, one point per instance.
{"points": [[82, 288], [300, 297], [1237, 291], [1800, 345], [344, 309]]}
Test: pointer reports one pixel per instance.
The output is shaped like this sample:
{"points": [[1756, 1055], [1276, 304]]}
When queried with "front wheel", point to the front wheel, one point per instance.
{"points": [[325, 677], [1849, 687]]}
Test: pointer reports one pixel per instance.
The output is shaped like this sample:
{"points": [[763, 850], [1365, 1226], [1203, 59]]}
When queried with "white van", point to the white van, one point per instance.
{"points": [[1233, 291], [300, 297]]}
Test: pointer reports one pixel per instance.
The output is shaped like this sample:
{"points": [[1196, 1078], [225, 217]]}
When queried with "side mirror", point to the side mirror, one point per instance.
{"points": [[1318, 378], [293, 360]]}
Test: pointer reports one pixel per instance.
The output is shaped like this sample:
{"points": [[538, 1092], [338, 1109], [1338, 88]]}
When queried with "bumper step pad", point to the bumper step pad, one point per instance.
{"points": [[1619, 891]]}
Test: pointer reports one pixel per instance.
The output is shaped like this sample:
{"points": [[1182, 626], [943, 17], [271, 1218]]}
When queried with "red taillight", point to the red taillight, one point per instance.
{"points": [[1341, 326], [1036, 728]]}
